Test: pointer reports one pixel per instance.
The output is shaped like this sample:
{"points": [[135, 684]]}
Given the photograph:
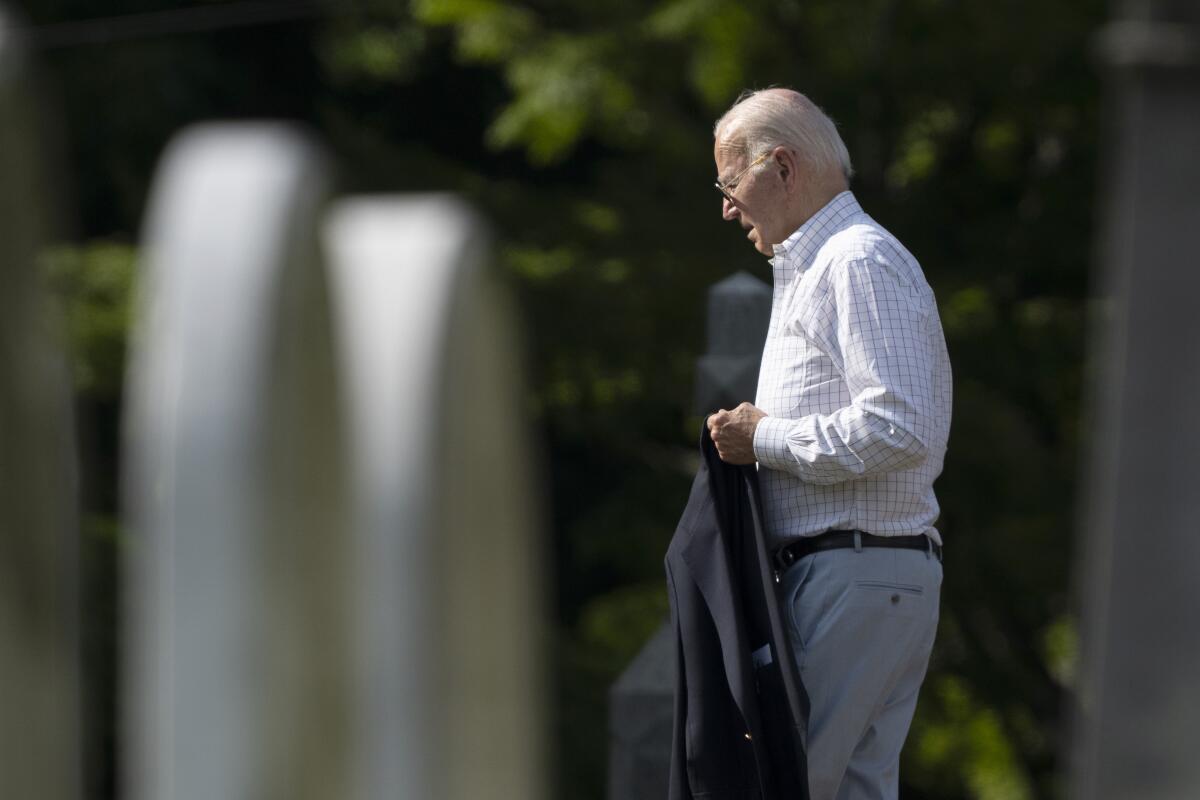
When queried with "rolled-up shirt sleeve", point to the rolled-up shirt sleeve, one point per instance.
{"points": [[873, 323]]}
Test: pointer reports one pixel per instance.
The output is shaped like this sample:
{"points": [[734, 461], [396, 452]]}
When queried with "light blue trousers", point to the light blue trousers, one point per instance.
{"points": [[861, 625]]}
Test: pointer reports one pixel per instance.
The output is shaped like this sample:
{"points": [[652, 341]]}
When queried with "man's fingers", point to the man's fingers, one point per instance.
{"points": [[716, 422]]}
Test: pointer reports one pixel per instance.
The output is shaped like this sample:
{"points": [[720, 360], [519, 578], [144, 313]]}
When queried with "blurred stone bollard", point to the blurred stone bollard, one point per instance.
{"points": [[237, 669], [1138, 695], [336, 569], [641, 710], [40, 736], [449, 596]]}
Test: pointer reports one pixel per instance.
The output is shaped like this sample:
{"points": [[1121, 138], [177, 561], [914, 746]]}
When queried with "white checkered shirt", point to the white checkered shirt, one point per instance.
{"points": [[855, 380]]}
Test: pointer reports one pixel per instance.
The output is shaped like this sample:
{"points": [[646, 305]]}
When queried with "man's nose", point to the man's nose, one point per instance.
{"points": [[729, 211]]}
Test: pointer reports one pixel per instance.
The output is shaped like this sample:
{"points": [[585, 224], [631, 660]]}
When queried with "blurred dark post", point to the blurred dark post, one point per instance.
{"points": [[1140, 687], [39, 674], [641, 700]]}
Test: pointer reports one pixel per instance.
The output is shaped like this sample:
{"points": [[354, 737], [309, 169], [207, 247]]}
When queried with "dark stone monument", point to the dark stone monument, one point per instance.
{"points": [[640, 710], [641, 702], [739, 310]]}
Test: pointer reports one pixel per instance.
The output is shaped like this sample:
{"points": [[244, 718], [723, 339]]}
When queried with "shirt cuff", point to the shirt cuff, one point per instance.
{"points": [[770, 442]]}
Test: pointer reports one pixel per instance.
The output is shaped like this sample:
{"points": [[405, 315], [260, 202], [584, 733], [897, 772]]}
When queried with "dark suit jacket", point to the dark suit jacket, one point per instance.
{"points": [[736, 715]]}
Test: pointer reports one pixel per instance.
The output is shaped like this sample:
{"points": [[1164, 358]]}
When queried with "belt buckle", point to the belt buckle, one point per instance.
{"points": [[784, 557]]}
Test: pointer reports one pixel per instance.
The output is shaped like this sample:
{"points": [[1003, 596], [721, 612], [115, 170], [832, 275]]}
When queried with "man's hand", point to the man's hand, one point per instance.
{"points": [[733, 433]]}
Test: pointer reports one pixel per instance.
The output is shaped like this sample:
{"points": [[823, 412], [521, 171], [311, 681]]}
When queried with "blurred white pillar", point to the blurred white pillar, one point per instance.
{"points": [[451, 684], [237, 663], [39, 675], [1140, 684]]}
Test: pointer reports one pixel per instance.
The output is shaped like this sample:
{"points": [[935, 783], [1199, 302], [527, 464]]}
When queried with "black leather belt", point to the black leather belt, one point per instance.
{"points": [[788, 554]]}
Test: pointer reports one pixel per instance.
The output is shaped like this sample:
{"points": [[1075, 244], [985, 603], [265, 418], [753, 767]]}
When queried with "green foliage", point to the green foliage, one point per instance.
{"points": [[955, 734], [92, 284], [561, 90], [721, 34], [582, 129], [616, 625], [485, 30], [376, 53], [1060, 646]]}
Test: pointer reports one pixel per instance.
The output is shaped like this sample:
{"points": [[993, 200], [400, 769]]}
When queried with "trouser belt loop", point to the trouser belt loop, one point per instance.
{"points": [[858, 541], [929, 549]]}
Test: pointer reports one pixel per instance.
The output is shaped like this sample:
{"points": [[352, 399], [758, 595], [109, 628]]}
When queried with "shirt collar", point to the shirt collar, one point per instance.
{"points": [[796, 252]]}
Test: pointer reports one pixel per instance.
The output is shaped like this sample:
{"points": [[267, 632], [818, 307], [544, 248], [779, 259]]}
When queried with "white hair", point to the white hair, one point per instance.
{"points": [[760, 121]]}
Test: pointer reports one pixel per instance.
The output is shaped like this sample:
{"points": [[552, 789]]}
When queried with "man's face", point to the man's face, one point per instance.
{"points": [[758, 198]]}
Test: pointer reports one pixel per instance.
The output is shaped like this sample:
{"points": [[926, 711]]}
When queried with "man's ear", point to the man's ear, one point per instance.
{"points": [[786, 160]]}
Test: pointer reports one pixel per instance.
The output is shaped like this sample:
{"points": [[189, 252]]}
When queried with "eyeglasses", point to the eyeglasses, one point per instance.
{"points": [[727, 189]]}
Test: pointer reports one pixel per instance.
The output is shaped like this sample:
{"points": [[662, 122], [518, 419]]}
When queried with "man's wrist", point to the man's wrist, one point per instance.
{"points": [[770, 442]]}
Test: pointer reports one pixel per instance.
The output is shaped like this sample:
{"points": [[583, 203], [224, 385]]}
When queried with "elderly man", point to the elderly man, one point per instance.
{"points": [[849, 430]]}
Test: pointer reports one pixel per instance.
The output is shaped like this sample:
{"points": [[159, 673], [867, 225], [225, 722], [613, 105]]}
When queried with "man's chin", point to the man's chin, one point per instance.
{"points": [[756, 239]]}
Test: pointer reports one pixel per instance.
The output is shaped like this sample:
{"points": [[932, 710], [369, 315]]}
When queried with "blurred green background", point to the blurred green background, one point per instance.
{"points": [[582, 128]]}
